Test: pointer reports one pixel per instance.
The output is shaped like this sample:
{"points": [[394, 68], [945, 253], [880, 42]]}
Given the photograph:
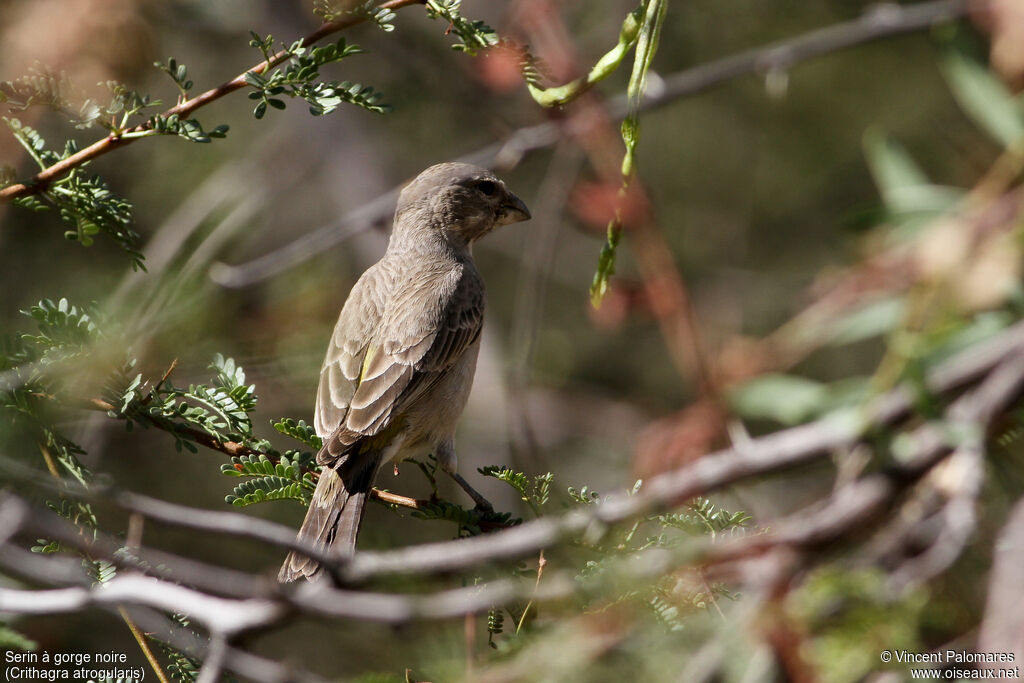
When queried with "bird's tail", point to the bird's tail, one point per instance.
{"points": [[332, 522]]}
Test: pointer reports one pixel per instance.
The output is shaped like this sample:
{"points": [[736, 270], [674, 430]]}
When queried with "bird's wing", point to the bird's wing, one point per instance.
{"points": [[426, 327], [360, 317]]}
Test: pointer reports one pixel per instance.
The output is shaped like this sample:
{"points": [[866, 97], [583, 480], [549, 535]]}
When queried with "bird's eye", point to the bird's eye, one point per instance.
{"points": [[487, 187]]}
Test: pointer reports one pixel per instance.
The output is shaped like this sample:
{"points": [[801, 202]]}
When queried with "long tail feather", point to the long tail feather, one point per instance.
{"points": [[332, 522]]}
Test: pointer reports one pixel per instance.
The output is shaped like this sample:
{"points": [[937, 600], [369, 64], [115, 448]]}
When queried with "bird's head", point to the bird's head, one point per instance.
{"points": [[460, 201]]}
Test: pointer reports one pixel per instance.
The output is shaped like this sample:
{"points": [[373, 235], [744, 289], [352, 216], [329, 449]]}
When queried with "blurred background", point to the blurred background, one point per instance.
{"points": [[756, 200]]}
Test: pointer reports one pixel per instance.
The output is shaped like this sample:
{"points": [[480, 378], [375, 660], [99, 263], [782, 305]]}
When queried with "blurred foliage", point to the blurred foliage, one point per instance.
{"points": [[83, 201], [218, 415], [854, 617], [814, 290], [12, 640]]}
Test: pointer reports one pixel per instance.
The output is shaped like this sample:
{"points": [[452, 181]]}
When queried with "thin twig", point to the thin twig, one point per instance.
{"points": [[853, 504], [143, 642], [390, 498], [213, 664], [883, 20], [541, 563], [140, 638]]}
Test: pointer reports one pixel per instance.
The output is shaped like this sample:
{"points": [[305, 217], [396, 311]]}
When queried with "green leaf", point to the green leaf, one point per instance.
{"points": [[784, 398], [12, 640], [516, 480], [903, 185], [605, 263], [468, 520], [268, 488], [473, 35], [299, 431], [80, 199], [584, 496], [871, 320], [181, 667], [982, 96], [178, 73], [981, 327], [651, 16], [298, 78], [101, 571]]}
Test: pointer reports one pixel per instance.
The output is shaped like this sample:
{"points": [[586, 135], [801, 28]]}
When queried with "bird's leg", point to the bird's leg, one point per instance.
{"points": [[481, 502], [446, 458]]}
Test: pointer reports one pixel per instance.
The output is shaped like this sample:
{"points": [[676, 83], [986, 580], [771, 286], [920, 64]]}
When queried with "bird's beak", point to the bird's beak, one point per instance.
{"points": [[513, 211]]}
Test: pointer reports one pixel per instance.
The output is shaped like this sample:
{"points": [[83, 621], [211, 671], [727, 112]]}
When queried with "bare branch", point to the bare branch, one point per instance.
{"points": [[995, 366], [853, 504], [879, 21], [156, 624], [771, 453], [1002, 628], [219, 615]]}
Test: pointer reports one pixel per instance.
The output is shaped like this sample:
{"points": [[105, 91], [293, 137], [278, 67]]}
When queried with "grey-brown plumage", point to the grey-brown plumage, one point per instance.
{"points": [[400, 363]]}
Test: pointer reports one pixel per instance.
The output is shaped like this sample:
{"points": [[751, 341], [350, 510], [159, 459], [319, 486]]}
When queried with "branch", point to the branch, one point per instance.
{"points": [[219, 615], [772, 453], [853, 504], [40, 181], [884, 21], [227, 447], [251, 602], [152, 622], [996, 366], [881, 21], [1002, 626]]}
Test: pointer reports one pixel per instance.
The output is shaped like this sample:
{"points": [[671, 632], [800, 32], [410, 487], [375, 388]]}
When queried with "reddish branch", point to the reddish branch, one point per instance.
{"points": [[40, 181], [231, 447]]}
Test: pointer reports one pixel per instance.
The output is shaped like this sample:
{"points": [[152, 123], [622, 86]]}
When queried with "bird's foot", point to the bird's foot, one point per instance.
{"points": [[482, 503]]}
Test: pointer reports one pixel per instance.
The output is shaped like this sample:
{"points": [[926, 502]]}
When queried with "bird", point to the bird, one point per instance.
{"points": [[400, 362]]}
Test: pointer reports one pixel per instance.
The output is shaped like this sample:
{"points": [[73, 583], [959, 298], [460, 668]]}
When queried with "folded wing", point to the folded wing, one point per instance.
{"points": [[369, 379]]}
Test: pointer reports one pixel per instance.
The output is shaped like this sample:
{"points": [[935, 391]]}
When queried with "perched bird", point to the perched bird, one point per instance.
{"points": [[400, 363]]}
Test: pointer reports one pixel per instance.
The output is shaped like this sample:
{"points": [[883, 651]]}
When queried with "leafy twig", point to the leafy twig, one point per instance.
{"points": [[44, 178], [646, 46]]}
